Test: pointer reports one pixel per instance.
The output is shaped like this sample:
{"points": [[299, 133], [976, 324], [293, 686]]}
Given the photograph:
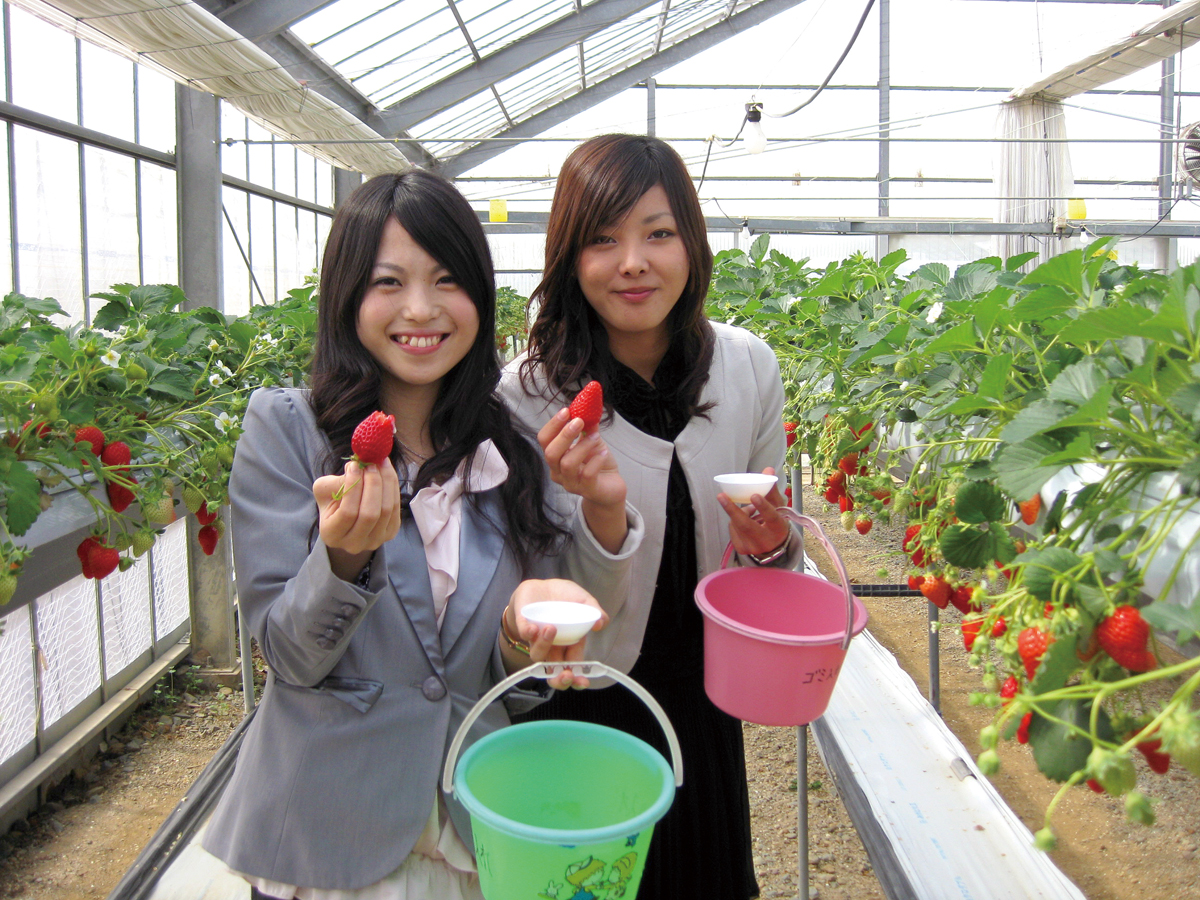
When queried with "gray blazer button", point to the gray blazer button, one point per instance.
{"points": [[325, 643], [334, 634], [349, 610], [433, 689]]}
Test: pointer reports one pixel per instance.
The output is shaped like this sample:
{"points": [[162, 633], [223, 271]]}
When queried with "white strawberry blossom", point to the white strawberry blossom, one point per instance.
{"points": [[213, 345], [224, 421], [934, 312], [215, 379], [111, 357]]}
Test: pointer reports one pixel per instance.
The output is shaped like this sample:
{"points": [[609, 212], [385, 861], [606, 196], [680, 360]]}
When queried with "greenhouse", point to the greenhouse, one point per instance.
{"points": [[968, 232]]}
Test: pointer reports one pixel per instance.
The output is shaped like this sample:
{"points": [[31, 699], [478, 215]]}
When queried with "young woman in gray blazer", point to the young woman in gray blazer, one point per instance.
{"points": [[387, 598], [622, 301]]}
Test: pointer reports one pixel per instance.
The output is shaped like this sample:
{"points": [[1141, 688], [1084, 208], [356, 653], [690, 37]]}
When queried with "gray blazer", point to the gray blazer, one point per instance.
{"points": [[337, 773]]}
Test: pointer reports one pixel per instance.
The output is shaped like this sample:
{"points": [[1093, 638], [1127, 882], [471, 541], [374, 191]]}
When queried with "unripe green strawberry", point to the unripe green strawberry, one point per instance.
{"points": [[143, 541], [988, 762], [211, 464], [1181, 738], [225, 454], [159, 510], [1114, 771], [192, 499], [122, 541], [125, 563], [848, 520], [219, 524], [1045, 840], [904, 368], [8, 586], [1138, 809], [134, 372]]}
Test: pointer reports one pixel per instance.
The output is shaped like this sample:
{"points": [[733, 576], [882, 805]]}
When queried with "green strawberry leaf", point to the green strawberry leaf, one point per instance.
{"points": [[1019, 468], [979, 501], [113, 315], [21, 491], [1064, 270], [1058, 749], [1043, 567], [1184, 621], [971, 547]]}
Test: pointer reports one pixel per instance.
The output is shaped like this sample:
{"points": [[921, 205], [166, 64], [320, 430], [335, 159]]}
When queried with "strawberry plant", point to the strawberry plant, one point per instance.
{"points": [[142, 405], [1041, 432]]}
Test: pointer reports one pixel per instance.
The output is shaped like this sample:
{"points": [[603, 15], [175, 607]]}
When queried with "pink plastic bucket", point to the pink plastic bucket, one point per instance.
{"points": [[774, 639]]}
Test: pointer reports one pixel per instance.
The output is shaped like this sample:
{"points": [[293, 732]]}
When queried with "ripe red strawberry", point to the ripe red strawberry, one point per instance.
{"points": [[914, 581], [860, 432], [910, 534], [1031, 644], [849, 463], [845, 503], [962, 599], [999, 627], [863, 524], [919, 559], [588, 404], [882, 495], [789, 429], [832, 495], [119, 496], [1010, 687], [1095, 785], [41, 428], [937, 591], [1030, 509], [96, 559], [373, 439], [1023, 728], [837, 480], [207, 538], [970, 631], [1157, 760], [92, 436], [114, 454], [203, 516], [1123, 636]]}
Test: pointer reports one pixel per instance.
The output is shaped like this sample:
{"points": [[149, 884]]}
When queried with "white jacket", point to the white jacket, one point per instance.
{"points": [[743, 433]]}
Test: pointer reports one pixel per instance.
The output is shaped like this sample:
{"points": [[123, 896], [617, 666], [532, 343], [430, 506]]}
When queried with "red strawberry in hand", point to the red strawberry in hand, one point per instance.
{"points": [[373, 439], [588, 405], [1123, 636]]}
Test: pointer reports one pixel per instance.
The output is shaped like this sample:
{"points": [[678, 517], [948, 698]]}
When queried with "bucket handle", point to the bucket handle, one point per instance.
{"points": [[815, 527], [549, 670]]}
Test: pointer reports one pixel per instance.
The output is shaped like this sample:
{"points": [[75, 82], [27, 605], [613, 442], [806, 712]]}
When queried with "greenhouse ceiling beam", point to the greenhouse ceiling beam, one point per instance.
{"points": [[617, 83], [260, 18], [303, 64], [535, 223], [464, 83]]}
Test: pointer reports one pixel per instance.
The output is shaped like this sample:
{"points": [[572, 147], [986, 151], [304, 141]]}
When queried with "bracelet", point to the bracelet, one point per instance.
{"points": [[513, 643], [765, 559]]}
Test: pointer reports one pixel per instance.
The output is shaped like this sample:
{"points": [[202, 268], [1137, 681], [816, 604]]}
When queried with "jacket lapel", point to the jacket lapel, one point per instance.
{"points": [[409, 577], [480, 547]]}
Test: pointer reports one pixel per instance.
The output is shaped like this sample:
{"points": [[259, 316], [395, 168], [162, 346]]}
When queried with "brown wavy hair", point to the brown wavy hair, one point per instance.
{"points": [[599, 184], [345, 379]]}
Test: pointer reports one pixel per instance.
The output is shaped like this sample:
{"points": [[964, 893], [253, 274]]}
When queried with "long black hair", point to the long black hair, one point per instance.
{"points": [[600, 182], [345, 379]]}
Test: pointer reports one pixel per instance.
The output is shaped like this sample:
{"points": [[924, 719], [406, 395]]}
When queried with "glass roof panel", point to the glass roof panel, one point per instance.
{"points": [[494, 25], [552, 77]]}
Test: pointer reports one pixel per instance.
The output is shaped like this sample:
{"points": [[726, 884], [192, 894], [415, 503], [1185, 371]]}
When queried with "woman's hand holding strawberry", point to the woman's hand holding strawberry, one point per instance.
{"points": [[359, 511]]}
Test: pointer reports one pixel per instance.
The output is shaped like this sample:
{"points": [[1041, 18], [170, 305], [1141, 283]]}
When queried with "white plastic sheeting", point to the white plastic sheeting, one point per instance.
{"points": [[196, 48], [1163, 36], [933, 825], [1033, 179]]}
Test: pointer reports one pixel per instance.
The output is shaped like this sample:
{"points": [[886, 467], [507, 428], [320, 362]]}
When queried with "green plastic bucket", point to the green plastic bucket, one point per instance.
{"points": [[558, 808]]}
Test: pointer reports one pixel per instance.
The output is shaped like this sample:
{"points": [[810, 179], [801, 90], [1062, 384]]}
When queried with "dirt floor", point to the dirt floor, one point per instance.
{"points": [[81, 842]]}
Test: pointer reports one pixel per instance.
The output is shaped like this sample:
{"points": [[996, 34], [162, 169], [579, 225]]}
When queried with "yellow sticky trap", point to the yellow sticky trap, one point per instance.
{"points": [[1076, 208], [497, 210]]}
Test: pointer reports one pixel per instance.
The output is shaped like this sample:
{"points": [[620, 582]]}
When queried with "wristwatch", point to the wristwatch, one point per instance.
{"points": [[765, 559], [513, 643]]}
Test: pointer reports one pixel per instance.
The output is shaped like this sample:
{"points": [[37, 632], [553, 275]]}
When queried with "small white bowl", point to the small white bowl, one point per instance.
{"points": [[573, 620], [741, 486]]}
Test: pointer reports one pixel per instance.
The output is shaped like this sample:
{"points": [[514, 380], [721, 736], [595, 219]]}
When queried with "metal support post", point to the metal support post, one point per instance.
{"points": [[651, 113], [885, 105], [802, 815], [935, 689]]}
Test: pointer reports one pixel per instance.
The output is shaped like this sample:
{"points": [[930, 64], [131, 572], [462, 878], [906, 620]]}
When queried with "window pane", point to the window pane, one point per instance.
{"points": [[43, 63], [50, 251], [262, 248], [285, 169], [287, 238], [156, 110], [260, 155], [235, 274], [6, 275], [324, 183], [306, 183], [107, 83], [112, 232], [160, 240], [306, 242], [233, 156], [323, 225]]}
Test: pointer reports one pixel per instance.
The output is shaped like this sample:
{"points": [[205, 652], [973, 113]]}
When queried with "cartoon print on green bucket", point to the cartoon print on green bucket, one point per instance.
{"points": [[593, 879]]}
